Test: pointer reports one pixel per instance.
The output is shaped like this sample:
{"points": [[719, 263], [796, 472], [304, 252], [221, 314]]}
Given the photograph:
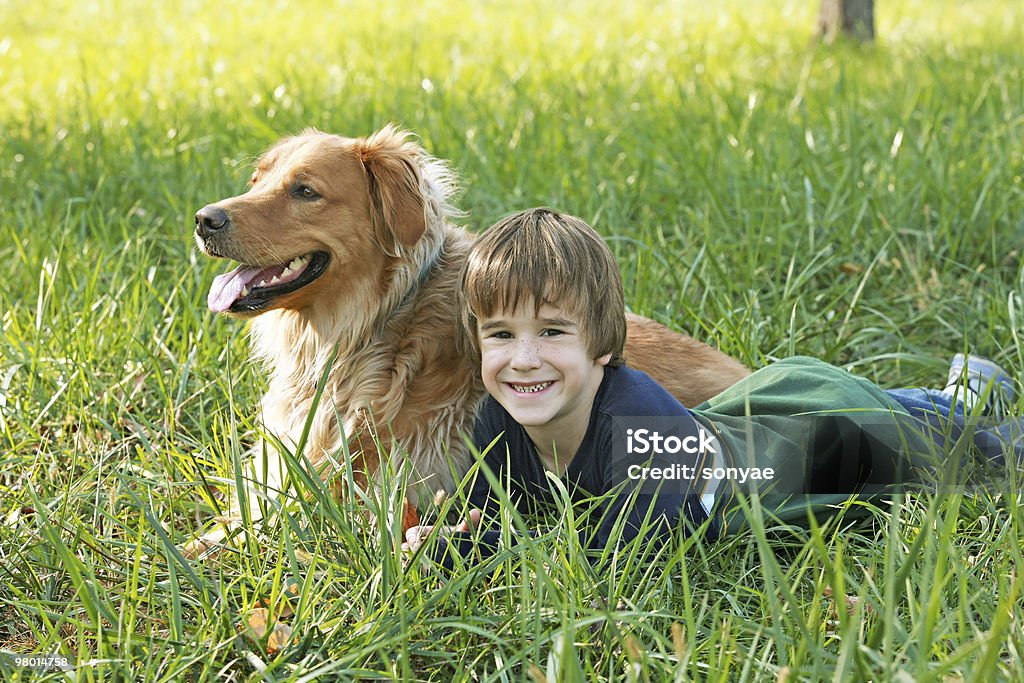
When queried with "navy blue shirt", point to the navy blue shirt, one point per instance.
{"points": [[601, 465]]}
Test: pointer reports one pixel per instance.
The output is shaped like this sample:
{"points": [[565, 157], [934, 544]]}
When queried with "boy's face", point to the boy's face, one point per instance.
{"points": [[538, 368]]}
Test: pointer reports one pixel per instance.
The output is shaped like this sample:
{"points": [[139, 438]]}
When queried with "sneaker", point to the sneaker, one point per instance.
{"points": [[975, 379]]}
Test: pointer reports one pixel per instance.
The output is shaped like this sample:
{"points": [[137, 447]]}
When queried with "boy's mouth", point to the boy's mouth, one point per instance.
{"points": [[529, 387]]}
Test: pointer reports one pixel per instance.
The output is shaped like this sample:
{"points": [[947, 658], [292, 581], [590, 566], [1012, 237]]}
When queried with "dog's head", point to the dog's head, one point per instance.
{"points": [[325, 218]]}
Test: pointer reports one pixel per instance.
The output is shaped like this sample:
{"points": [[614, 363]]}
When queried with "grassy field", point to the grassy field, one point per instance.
{"points": [[775, 197]]}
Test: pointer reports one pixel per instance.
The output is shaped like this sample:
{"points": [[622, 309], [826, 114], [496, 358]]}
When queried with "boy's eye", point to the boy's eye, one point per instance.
{"points": [[551, 332]]}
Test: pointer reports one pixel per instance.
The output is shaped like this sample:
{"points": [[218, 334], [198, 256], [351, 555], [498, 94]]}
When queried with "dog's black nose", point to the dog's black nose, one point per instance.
{"points": [[211, 219]]}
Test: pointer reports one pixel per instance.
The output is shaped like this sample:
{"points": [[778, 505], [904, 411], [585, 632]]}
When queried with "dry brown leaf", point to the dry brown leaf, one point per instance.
{"points": [[279, 638], [255, 628], [284, 607]]}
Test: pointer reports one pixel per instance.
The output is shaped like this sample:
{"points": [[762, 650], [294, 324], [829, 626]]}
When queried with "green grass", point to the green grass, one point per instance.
{"points": [[860, 204]]}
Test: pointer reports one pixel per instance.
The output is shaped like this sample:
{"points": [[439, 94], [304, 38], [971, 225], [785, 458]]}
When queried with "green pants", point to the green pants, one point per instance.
{"points": [[826, 435]]}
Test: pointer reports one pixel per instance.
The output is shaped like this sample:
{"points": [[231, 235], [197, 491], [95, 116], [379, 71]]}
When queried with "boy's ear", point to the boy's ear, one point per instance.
{"points": [[603, 360]]}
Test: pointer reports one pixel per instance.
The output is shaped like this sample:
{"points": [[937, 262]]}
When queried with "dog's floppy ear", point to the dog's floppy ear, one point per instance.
{"points": [[397, 207]]}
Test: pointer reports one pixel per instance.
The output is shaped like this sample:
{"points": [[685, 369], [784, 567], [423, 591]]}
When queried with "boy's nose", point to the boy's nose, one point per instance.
{"points": [[526, 356]]}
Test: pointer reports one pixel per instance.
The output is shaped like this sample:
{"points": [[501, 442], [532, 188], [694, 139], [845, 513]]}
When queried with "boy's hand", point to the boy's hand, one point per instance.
{"points": [[415, 536]]}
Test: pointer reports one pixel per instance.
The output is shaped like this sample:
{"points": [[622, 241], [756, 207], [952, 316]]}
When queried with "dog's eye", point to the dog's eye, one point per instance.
{"points": [[305, 192]]}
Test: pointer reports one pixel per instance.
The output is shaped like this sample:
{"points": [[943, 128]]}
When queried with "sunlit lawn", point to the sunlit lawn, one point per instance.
{"points": [[772, 196]]}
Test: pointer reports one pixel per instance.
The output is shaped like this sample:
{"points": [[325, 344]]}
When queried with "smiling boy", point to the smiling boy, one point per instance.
{"points": [[542, 311], [539, 370]]}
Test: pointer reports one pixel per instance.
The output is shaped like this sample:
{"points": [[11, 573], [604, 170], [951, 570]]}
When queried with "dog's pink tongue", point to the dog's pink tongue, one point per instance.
{"points": [[228, 287]]}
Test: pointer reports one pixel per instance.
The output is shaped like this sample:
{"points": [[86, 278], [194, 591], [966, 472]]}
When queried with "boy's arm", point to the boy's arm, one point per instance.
{"points": [[467, 539], [624, 518], [471, 547]]}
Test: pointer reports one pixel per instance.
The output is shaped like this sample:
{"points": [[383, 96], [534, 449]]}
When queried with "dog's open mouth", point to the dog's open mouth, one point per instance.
{"points": [[251, 288]]}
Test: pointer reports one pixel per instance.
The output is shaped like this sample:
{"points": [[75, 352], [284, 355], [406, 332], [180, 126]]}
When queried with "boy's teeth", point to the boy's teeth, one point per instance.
{"points": [[533, 388]]}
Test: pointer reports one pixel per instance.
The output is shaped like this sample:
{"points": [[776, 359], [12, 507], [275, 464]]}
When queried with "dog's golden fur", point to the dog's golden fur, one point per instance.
{"points": [[383, 307]]}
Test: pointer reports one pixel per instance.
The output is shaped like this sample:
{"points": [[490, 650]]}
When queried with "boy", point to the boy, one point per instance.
{"points": [[543, 311]]}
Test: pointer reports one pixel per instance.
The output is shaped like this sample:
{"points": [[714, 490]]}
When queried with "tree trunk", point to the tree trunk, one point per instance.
{"points": [[853, 18]]}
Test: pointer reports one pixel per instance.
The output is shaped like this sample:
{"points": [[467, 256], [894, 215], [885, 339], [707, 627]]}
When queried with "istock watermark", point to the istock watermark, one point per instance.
{"points": [[681, 450], [643, 441], [834, 452], [740, 475]]}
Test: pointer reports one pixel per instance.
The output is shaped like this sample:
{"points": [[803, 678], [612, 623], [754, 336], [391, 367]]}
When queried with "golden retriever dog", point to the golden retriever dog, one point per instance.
{"points": [[349, 265]]}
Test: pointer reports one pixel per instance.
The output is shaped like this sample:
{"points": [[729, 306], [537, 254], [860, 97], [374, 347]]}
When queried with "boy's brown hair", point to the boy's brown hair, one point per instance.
{"points": [[555, 259]]}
